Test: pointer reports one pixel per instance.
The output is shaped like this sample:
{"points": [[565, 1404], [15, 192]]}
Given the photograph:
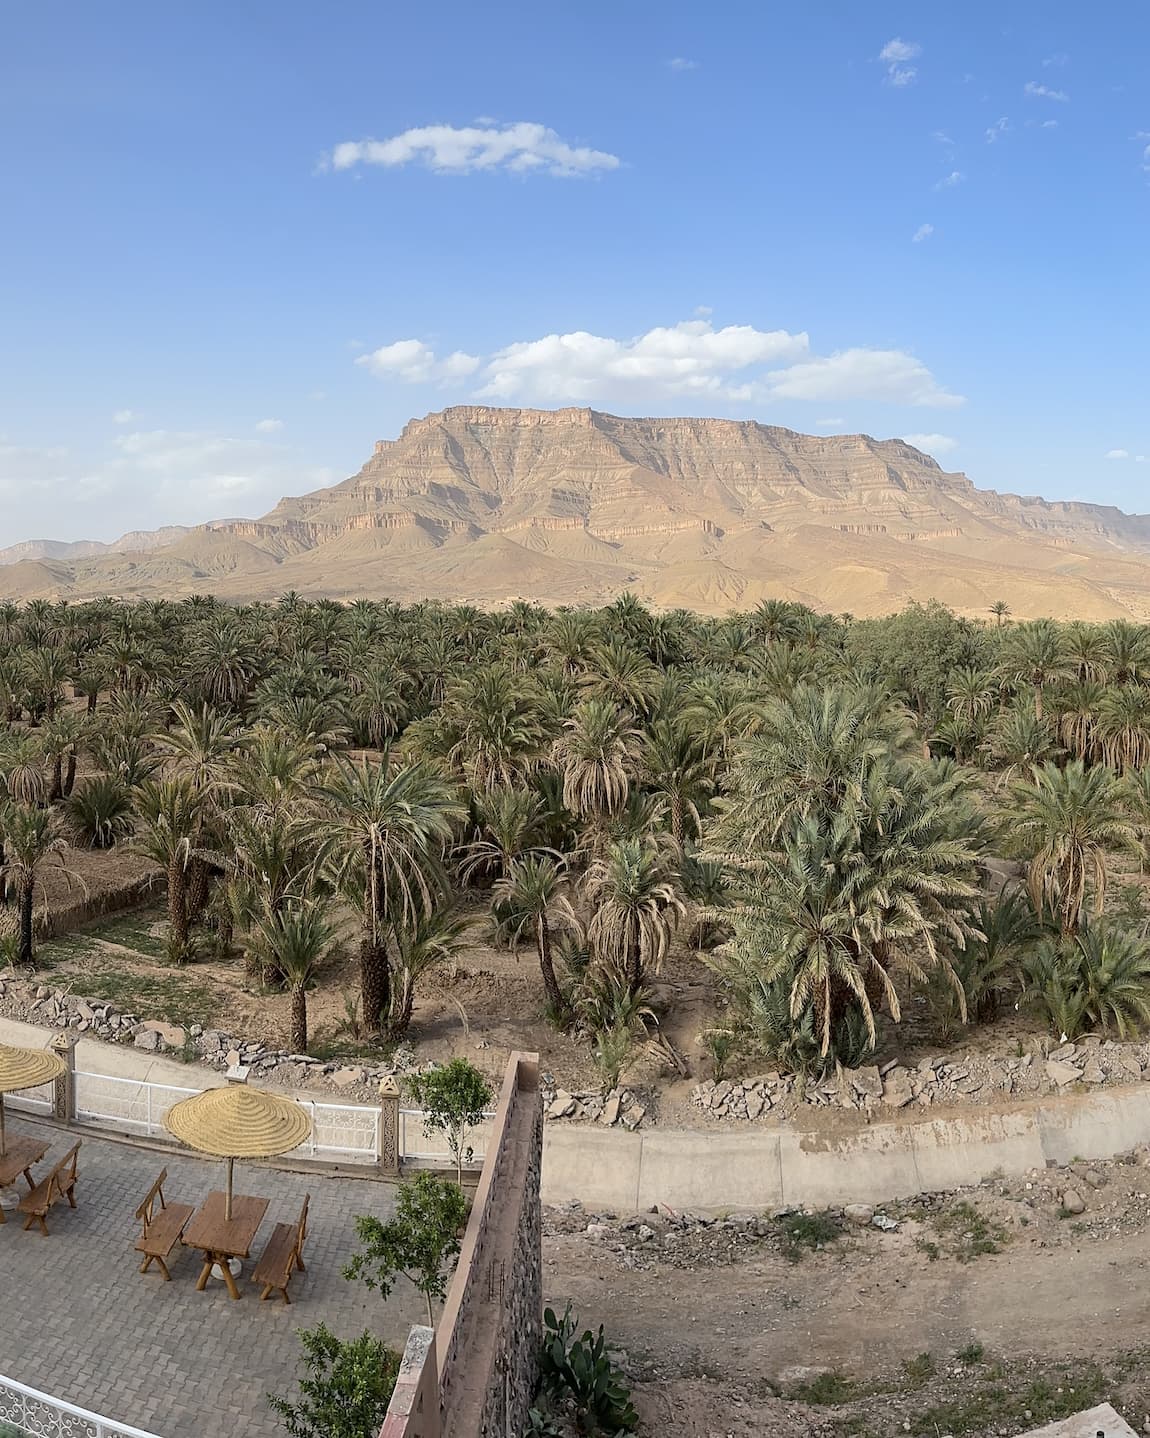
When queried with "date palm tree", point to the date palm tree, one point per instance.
{"points": [[1066, 821], [1124, 727], [635, 896], [295, 943], [597, 754], [1033, 654], [422, 942], [387, 827], [31, 838], [673, 763], [170, 814], [1001, 610], [531, 898]]}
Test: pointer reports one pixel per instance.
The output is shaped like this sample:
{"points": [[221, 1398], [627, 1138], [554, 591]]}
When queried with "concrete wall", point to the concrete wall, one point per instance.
{"points": [[760, 1168]]}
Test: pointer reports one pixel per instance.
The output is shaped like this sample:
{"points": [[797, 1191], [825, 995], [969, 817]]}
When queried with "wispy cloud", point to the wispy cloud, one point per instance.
{"points": [[942, 137], [1056, 61], [523, 148], [923, 232], [679, 64], [268, 426], [1143, 138], [996, 131], [948, 182], [896, 55], [737, 364], [832, 423], [123, 416], [1034, 91], [932, 443], [1117, 454]]}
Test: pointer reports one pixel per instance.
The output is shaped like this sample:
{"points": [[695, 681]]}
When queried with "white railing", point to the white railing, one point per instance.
{"points": [[120, 1103], [35, 1100], [344, 1131], [41, 1416], [341, 1132], [417, 1141]]}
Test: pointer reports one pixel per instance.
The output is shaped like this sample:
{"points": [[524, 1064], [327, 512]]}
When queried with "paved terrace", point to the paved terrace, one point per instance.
{"points": [[79, 1322]]}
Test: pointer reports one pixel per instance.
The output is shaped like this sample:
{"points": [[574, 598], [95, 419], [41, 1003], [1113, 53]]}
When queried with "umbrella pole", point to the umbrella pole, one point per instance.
{"points": [[228, 1192], [3, 1135]]}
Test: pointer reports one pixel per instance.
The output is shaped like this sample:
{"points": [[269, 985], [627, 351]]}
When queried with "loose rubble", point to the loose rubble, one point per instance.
{"points": [[43, 1004]]}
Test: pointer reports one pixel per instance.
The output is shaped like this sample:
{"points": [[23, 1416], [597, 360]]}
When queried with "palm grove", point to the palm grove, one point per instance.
{"points": [[815, 806]]}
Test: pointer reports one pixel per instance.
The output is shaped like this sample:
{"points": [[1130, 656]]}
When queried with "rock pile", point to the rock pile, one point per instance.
{"points": [[621, 1106], [965, 1079]]}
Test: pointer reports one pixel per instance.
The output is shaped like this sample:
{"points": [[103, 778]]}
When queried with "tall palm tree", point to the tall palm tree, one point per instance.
{"points": [[1124, 727], [295, 943], [1067, 821], [634, 892], [596, 754], [387, 827], [970, 693], [31, 838], [1033, 654], [171, 814], [1001, 610], [532, 897], [498, 736], [422, 942], [673, 763]]}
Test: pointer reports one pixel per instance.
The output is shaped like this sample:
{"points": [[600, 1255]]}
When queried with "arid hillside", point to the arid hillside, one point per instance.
{"points": [[574, 506]]}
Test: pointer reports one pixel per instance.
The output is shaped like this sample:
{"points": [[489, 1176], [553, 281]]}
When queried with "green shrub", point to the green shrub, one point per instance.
{"points": [[344, 1392], [454, 1099]]}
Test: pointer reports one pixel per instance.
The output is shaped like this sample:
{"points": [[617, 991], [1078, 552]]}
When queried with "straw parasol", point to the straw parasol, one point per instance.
{"points": [[25, 1068], [238, 1122]]}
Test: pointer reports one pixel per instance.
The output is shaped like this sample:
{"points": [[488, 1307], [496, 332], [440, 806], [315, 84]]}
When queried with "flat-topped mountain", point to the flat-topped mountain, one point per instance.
{"points": [[573, 505]]}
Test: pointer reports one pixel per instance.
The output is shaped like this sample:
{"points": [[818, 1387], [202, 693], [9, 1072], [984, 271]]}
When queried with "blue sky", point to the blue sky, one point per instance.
{"points": [[903, 219]]}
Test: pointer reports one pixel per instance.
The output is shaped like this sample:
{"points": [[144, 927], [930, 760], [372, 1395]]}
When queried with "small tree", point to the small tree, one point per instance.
{"points": [[346, 1389], [453, 1099], [418, 1243]]}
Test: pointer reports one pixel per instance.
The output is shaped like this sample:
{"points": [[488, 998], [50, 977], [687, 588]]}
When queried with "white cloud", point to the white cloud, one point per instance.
{"points": [[123, 416], [679, 64], [923, 232], [895, 55], [1140, 459], [268, 426], [948, 182], [522, 148], [942, 137], [932, 443], [1035, 91], [889, 376], [832, 423], [689, 359], [416, 362], [1055, 60], [1117, 454], [996, 131], [149, 478]]}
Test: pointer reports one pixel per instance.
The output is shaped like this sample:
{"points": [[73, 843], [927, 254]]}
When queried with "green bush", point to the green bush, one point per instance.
{"points": [[1098, 979], [454, 1099], [344, 1392]]}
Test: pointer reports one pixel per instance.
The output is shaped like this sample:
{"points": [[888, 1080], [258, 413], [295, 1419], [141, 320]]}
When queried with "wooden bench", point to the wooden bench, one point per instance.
{"points": [[60, 1183], [163, 1226], [282, 1256]]}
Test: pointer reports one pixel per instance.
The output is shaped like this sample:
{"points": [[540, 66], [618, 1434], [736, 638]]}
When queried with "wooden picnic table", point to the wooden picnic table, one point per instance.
{"points": [[219, 1238], [20, 1154]]}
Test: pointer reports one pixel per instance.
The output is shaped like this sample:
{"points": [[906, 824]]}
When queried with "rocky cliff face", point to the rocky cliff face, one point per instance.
{"points": [[573, 505]]}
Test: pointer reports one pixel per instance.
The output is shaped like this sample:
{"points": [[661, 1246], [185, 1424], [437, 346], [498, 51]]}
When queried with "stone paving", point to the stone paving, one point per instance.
{"points": [[79, 1322]]}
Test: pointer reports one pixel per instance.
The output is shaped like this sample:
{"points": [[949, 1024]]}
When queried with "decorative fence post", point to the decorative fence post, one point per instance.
{"points": [[64, 1095], [389, 1154]]}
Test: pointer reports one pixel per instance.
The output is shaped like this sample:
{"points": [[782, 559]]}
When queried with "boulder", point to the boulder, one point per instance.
{"points": [[896, 1089], [1073, 1202], [1062, 1073], [562, 1105], [610, 1112], [860, 1213], [148, 1040]]}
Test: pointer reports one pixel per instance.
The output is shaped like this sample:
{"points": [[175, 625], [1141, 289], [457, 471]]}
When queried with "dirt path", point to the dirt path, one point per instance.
{"points": [[712, 1320]]}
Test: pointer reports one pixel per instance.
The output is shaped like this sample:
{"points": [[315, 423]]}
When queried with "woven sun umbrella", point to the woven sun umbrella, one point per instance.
{"points": [[24, 1068], [238, 1122]]}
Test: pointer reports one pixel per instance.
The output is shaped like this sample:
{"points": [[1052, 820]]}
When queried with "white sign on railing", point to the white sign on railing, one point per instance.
{"points": [[32, 1412]]}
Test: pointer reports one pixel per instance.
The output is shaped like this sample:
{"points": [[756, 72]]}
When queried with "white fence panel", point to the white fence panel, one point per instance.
{"points": [[416, 1140], [33, 1412], [344, 1133], [122, 1103], [34, 1100]]}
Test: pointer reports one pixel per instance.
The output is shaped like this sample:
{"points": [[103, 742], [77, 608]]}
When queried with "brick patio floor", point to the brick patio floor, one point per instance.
{"points": [[79, 1322]]}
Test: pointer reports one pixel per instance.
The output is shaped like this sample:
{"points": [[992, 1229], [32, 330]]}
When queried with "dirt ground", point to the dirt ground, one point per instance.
{"points": [[982, 1313]]}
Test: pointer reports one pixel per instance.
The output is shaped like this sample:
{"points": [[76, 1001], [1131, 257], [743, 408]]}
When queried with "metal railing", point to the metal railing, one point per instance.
{"points": [[35, 1413], [341, 1132]]}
